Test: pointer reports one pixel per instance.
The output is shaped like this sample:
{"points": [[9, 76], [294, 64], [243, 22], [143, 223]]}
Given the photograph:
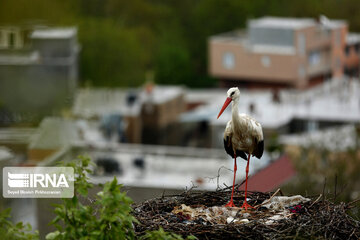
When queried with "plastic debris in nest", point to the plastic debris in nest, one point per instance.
{"points": [[211, 215], [283, 202], [283, 207], [270, 211]]}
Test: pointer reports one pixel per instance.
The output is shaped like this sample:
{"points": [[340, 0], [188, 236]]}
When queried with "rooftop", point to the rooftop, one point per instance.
{"points": [[272, 176], [101, 101], [5, 154], [353, 38], [337, 138], [90, 102], [336, 100], [294, 23], [54, 33], [278, 22], [161, 94], [241, 36]]}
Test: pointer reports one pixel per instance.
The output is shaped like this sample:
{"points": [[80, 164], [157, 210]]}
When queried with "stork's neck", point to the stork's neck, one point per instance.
{"points": [[235, 110]]}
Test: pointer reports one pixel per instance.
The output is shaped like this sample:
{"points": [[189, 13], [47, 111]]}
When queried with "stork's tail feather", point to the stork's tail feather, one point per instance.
{"points": [[259, 150]]}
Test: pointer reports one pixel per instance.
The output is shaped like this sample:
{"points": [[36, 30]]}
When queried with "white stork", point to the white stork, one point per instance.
{"points": [[243, 135]]}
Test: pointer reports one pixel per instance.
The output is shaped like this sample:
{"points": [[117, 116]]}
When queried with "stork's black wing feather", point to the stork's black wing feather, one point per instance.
{"points": [[229, 149], [259, 149]]}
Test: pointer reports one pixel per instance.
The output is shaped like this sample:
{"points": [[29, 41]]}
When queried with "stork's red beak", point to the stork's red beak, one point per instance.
{"points": [[226, 103]]}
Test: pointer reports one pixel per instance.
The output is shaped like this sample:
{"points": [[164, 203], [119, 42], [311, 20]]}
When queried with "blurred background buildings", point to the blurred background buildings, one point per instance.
{"points": [[38, 70], [138, 90], [284, 52]]}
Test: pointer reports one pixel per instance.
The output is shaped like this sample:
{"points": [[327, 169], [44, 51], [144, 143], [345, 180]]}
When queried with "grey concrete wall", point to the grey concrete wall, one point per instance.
{"points": [[54, 48], [35, 88]]}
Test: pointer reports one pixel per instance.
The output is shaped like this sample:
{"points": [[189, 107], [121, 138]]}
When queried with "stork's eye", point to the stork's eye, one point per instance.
{"points": [[232, 94]]}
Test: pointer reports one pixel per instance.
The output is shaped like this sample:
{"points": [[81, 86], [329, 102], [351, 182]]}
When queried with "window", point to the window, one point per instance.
{"points": [[314, 58], [228, 60], [11, 40], [312, 126], [347, 50], [357, 48], [265, 61]]}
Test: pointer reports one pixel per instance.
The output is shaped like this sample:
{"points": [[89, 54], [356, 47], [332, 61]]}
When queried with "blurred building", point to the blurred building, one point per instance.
{"points": [[147, 115], [162, 107], [111, 109], [16, 139], [334, 139], [38, 71], [284, 52]]}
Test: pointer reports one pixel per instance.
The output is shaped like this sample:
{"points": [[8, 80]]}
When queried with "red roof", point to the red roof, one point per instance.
{"points": [[271, 177]]}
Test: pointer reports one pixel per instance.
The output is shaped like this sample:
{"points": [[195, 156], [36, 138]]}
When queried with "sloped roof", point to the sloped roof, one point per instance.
{"points": [[272, 176]]}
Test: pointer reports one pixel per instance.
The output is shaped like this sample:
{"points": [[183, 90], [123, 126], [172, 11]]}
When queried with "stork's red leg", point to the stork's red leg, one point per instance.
{"points": [[231, 203], [245, 204]]}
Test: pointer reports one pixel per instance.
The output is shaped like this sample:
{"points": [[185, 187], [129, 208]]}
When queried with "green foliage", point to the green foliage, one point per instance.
{"points": [[162, 235], [273, 144], [112, 55], [18, 231], [173, 59], [109, 217]]}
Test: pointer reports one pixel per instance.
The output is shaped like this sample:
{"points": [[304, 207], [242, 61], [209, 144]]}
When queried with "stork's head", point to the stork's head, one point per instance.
{"points": [[232, 94]]}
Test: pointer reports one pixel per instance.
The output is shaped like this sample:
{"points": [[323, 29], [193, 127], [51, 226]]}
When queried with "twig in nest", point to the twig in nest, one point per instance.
{"points": [[281, 193], [324, 190], [335, 187], [193, 186], [352, 202], [316, 200]]}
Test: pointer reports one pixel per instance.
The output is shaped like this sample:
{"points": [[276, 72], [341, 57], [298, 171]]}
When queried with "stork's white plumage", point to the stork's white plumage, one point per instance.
{"points": [[243, 136]]}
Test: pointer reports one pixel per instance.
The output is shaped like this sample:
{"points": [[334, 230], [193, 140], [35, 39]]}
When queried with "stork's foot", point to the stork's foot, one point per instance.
{"points": [[230, 204], [246, 205]]}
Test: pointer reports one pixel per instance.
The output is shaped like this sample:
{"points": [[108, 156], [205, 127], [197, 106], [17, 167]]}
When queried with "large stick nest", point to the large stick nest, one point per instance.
{"points": [[317, 218]]}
